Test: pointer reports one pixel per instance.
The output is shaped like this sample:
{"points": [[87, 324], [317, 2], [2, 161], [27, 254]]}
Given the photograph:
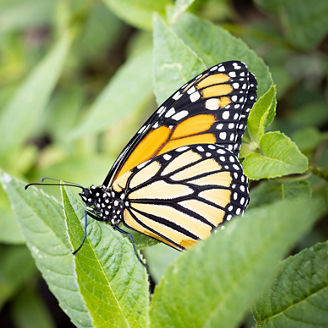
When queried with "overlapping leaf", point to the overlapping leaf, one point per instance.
{"points": [[174, 62], [112, 282], [299, 294], [43, 225], [104, 284], [277, 156], [213, 45], [215, 283]]}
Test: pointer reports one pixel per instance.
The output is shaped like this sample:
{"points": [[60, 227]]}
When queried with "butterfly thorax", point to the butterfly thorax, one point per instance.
{"points": [[104, 204]]}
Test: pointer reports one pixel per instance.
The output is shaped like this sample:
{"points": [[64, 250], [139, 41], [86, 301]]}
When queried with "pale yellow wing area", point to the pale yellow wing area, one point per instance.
{"points": [[179, 197]]}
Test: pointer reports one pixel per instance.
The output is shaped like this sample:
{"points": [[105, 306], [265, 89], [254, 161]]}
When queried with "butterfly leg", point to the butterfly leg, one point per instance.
{"points": [[85, 232], [132, 242]]}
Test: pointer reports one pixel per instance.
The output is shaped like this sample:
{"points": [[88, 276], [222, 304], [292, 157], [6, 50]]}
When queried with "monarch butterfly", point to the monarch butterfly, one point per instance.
{"points": [[179, 177]]}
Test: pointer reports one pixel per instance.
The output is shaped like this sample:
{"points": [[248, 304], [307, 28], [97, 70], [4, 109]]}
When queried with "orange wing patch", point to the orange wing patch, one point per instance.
{"points": [[163, 139], [206, 138], [213, 79], [216, 90], [146, 148], [193, 125], [214, 87]]}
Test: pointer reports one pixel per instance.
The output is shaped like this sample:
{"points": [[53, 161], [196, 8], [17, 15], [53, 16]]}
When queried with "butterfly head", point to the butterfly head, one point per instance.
{"points": [[98, 201]]}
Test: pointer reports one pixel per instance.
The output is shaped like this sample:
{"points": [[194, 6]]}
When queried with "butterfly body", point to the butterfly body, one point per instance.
{"points": [[179, 177]]}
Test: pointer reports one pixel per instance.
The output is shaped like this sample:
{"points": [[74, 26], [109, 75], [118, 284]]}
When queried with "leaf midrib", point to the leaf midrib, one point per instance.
{"points": [[101, 267]]}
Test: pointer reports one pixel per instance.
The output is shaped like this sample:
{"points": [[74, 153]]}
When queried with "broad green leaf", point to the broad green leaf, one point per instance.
{"points": [[307, 138], [180, 6], [215, 283], [29, 308], [43, 225], [112, 282], [21, 114], [174, 62], [270, 191], [262, 114], [298, 297], [129, 90], [278, 156], [16, 269], [214, 45], [9, 230], [138, 12], [305, 22]]}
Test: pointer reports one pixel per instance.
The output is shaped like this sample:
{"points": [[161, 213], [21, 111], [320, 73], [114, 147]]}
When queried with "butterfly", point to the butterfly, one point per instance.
{"points": [[179, 177]]}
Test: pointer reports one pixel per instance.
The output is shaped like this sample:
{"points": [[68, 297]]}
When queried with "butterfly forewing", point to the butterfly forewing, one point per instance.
{"points": [[179, 197], [212, 108]]}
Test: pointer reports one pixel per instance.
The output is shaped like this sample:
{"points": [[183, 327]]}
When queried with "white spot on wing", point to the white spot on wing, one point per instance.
{"points": [[194, 96], [191, 90], [167, 157], [177, 95], [225, 115], [223, 135], [170, 112], [212, 104], [178, 116]]}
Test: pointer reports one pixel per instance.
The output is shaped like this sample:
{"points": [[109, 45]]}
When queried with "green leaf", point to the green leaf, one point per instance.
{"points": [[180, 6], [305, 22], [174, 62], [307, 138], [17, 268], [43, 226], [298, 297], [21, 114], [158, 259], [29, 308], [113, 283], [138, 12], [262, 114], [134, 77], [278, 156], [213, 45], [270, 191], [215, 283], [9, 230]]}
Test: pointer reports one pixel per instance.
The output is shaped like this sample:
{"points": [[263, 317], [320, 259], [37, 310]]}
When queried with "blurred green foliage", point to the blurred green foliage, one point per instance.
{"points": [[78, 78]]}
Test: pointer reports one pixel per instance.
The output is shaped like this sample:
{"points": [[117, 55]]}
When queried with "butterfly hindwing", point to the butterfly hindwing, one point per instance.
{"points": [[182, 195], [212, 108]]}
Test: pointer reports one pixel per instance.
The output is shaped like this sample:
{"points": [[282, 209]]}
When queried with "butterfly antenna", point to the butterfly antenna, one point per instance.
{"points": [[66, 183], [133, 245], [85, 232], [59, 180]]}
